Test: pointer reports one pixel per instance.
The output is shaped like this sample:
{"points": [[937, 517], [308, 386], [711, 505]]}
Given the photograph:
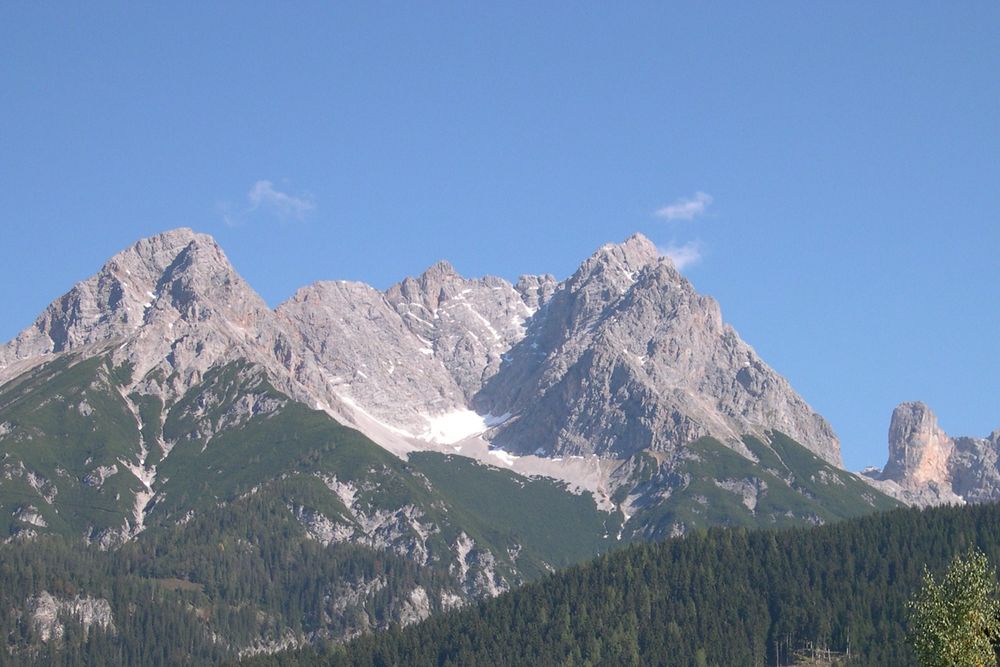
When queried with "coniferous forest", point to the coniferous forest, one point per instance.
{"points": [[717, 597], [193, 594]]}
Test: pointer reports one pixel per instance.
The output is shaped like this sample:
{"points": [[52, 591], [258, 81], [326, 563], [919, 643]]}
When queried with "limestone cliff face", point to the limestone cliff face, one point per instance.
{"points": [[622, 356], [171, 302], [48, 615], [975, 468], [919, 450], [626, 356], [353, 344], [926, 466], [469, 323]]}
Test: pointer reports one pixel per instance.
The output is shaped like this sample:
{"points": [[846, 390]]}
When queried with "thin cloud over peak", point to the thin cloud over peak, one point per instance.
{"points": [[264, 199], [686, 208], [263, 195], [684, 255]]}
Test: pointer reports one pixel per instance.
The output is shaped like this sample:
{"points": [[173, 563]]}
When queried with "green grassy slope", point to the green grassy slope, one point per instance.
{"points": [[233, 432], [63, 421], [715, 486], [554, 528]]}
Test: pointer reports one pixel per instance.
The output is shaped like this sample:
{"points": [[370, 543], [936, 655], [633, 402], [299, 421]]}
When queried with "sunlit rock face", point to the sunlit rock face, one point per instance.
{"points": [[627, 356], [926, 466], [919, 449], [622, 357]]}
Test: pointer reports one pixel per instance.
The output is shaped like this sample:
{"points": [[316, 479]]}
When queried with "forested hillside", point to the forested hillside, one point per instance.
{"points": [[718, 597]]}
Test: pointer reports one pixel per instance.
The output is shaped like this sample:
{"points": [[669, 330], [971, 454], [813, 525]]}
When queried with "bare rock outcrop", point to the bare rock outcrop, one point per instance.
{"points": [[352, 343], [171, 302], [919, 449], [48, 615], [626, 356], [926, 466], [622, 356], [469, 323]]}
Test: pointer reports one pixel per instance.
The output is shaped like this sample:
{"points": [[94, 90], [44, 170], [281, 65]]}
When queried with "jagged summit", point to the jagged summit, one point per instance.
{"points": [[621, 381], [171, 301], [614, 266], [644, 362], [176, 236], [926, 466], [439, 270], [166, 396], [635, 251], [120, 298], [622, 356], [919, 449]]}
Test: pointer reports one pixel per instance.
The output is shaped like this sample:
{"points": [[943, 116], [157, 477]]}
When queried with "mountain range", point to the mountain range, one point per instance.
{"points": [[485, 432]]}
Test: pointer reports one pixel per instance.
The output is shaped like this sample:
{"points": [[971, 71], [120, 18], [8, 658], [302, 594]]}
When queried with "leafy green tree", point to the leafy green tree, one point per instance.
{"points": [[955, 622]]}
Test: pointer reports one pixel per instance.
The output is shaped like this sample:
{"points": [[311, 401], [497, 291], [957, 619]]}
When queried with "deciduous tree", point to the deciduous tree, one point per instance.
{"points": [[955, 622]]}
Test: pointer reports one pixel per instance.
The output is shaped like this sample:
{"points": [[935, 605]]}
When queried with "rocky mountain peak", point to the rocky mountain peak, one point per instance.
{"points": [[645, 362], [634, 252], [536, 290], [170, 300], [614, 266], [622, 356], [926, 466], [428, 289], [439, 270], [918, 448]]}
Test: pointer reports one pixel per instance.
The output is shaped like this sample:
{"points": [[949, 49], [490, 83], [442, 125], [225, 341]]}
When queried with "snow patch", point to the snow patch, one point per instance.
{"points": [[453, 426], [506, 457], [417, 317], [486, 323], [457, 425]]}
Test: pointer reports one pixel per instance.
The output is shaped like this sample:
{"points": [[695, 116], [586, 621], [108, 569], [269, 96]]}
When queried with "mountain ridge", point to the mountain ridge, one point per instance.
{"points": [[470, 326], [926, 466], [163, 393]]}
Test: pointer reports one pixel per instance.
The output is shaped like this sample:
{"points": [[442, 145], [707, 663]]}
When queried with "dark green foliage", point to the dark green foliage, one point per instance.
{"points": [[794, 487], [65, 418], [236, 576], [225, 564], [718, 597], [553, 528]]}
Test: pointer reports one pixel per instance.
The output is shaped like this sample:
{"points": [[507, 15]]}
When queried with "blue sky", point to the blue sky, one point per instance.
{"points": [[842, 159]]}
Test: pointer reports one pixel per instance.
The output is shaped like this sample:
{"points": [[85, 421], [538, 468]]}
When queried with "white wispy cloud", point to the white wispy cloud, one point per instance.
{"points": [[683, 256], [263, 198], [263, 195], [685, 208]]}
